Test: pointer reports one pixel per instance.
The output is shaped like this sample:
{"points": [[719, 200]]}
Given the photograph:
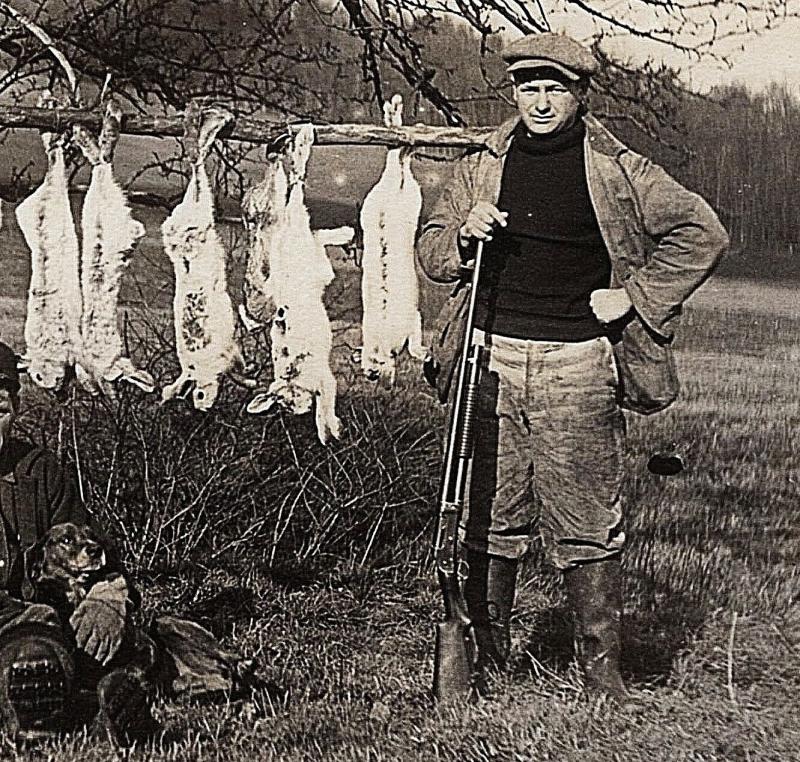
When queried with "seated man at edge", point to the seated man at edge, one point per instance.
{"points": [[37, 659]]}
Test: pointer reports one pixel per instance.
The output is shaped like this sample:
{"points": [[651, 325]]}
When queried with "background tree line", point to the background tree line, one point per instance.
{"points": [[738, 148], [288, 60]]}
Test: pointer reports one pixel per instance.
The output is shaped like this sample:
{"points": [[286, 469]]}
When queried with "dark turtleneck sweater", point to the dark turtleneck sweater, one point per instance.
{"points": [[540, 270]]}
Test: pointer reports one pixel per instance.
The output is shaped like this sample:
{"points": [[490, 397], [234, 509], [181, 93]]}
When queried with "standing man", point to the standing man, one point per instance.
{"points": [[590, 251]]}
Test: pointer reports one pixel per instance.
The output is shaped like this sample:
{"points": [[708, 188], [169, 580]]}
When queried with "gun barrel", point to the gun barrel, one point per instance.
{"points": [[470, 406], [457, 413], [455, 635]]}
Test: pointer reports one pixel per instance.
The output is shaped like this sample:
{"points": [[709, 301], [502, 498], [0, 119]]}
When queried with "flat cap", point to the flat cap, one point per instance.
{"points": [[550, 50], [9, 373]]}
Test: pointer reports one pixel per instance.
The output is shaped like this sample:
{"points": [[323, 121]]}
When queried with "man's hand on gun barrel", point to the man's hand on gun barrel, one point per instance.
{"points": [[481, 222], [608, 304]]}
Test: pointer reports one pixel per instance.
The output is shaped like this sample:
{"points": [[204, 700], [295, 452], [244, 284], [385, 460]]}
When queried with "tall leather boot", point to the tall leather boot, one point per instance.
{"points": [[123, 715], [489, 593], [594, 591]]}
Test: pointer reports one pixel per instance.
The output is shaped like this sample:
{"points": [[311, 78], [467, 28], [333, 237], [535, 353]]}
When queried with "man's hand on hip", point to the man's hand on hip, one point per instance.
{"points": [[481, 222], [610, 304]]}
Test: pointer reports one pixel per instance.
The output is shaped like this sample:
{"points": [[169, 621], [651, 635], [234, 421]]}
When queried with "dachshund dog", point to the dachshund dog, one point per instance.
{"points": [[63, 566], [168, 654]]}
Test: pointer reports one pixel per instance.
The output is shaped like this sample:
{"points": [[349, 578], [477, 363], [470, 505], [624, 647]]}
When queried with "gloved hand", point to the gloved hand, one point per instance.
{"points": [[99, 619]]}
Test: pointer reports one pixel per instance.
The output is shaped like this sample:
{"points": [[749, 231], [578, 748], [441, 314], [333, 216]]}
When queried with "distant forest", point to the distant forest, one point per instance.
{"points": [[739, 149]]}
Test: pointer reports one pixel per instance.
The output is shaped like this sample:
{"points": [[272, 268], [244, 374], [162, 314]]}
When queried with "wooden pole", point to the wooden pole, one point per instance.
{"points": [[250, 130]]}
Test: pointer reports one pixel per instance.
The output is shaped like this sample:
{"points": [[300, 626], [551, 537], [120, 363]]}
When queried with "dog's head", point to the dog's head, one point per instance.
{"points": [[67, 554]]}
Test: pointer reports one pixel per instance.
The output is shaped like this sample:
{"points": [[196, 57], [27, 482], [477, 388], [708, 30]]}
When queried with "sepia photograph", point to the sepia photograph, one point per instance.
{"points": [[400, 380]]}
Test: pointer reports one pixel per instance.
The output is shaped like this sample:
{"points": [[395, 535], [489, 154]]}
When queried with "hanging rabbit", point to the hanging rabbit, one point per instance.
{"points": [[389, 289], [204, 316], [109, 235], [300, 333], [53, 315]]}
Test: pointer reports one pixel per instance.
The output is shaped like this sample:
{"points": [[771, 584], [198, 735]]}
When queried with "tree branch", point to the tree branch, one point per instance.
{"points": [[250, 130]]}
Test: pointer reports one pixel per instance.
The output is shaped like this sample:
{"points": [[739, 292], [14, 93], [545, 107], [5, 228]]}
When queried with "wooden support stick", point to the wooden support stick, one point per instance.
{"points": [[250, 130]]}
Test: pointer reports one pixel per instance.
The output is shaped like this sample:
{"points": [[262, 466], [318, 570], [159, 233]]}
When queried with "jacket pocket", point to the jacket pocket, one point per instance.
{"points": [[442, 360], [648, 376]]}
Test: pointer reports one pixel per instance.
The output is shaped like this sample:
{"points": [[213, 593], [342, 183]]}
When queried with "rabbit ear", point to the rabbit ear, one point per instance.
{"points": [[180, 389], [261, 403], [124, 370], [186, 389], [397, 111]]}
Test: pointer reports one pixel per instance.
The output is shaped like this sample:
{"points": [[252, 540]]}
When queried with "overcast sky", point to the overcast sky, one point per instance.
{"points": [[774, 55], [757, 60]]}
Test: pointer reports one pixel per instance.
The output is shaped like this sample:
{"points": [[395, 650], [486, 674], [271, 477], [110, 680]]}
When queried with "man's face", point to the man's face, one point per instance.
{"points": [[9, 403], [547, 106]]}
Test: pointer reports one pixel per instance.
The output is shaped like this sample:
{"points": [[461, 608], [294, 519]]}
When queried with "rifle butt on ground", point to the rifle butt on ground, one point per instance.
{"points": [[453, 662]]}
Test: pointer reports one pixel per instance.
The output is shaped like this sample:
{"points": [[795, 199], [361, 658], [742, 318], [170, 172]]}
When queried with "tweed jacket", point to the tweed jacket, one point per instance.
{"points": [[662, 239]]}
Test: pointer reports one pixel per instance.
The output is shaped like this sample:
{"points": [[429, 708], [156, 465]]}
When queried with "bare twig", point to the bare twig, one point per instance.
{"points": [[731, 638], [75, 450], [45, 38]]}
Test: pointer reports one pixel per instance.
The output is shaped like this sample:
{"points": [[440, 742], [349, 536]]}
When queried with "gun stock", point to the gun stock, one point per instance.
{"points": [[454, 655]]}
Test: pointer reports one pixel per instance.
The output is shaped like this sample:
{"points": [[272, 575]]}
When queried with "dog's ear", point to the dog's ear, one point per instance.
{"points": [[32, 560]]}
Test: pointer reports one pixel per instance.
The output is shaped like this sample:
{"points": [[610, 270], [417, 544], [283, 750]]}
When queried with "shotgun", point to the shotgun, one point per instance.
{"points": [[454, 653]]}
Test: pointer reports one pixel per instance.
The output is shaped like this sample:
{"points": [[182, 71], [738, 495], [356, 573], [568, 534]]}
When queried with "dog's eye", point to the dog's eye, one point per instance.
{"points": [[66, 541]]}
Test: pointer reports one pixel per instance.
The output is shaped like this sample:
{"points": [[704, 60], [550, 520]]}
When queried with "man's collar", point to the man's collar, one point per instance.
{"points": [[598, 136], [499, 141]]}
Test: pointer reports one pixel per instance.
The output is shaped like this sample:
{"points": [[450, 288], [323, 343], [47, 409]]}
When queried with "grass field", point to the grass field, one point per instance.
{"points": [[322, 559]]}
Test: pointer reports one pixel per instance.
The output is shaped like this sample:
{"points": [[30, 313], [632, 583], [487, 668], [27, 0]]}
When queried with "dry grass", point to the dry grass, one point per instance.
{"points": [[323, 556]]}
